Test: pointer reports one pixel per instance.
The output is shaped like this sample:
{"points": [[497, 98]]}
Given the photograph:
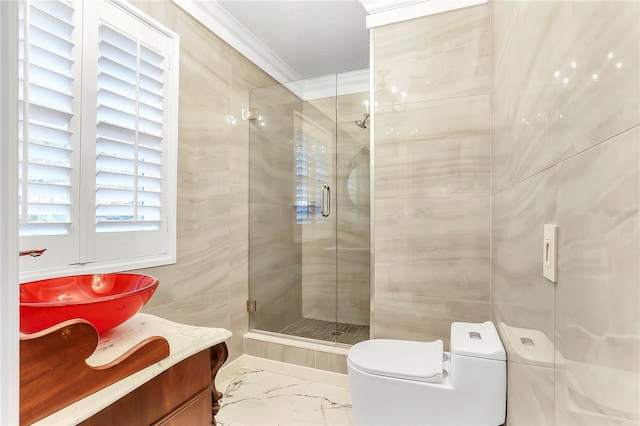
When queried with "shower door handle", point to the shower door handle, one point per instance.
{"points": [[325, 210]]}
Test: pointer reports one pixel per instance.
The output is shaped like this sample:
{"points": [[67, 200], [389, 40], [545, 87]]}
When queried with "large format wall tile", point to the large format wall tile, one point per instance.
{"points": [[437, 247], [208, 284], [520, 296], [563, 86], [591, 315], [593, 395], [278, 296], [353, 227], [525, 133], [565, 151], [353, 285], [275, 260], [270, 235], [544, 43], [353, 177], [319, 276], [598, 296], [522, 300], [529, 41], [275, 256], [434, 57], [530, 394], [271, 164], [432, 170], [189, 310], [503, 13], [401, 315], [438, 148]]}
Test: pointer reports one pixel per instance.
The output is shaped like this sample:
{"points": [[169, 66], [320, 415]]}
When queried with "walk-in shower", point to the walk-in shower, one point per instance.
{"points": [[309, 210]]}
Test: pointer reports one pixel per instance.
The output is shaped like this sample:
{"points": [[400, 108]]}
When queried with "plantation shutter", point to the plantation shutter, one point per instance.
{"points": [[312, 169], [48, 129], [132, 64], [98, 138], [304, 197], [129, 134]]}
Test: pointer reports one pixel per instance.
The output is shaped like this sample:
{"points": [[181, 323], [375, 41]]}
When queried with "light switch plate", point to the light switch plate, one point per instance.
{"points": [[550, 253]]}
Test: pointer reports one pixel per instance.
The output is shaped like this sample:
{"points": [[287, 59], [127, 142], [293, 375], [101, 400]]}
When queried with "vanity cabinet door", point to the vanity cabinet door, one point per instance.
{"points": [[179, 391]]}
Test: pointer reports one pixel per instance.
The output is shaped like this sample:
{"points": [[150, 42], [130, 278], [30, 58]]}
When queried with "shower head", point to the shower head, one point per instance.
{"points": [[363, 121]]}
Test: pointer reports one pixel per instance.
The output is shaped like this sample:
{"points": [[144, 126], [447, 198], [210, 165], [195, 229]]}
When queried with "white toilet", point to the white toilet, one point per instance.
{"points": [[399, 382]]}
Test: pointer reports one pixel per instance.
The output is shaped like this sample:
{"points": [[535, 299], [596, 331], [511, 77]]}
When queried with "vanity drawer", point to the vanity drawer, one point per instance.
{"points": [[196, 411], [179, 391]]}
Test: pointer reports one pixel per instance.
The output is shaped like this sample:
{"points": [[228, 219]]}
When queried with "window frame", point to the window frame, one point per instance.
{"points": [[31, 268]]}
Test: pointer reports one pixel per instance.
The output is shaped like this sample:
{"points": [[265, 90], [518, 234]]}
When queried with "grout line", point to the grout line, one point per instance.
{"points": [[571, 157], [470, 95], [491, 70]]}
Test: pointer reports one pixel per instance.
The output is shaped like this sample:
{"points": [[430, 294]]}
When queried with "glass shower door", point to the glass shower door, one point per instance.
{"points": [[292, 212], [352, 213]]}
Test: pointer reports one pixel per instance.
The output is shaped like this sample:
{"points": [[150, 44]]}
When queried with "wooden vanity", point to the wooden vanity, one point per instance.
{"points": [[185, 394], [178, 389]]}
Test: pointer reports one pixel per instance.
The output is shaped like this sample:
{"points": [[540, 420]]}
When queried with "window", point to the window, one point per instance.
{"points": [[312, 168], [98, 137]]}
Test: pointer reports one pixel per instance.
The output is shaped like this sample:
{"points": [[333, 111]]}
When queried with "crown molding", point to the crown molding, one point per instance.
{"points": [[384, 12], [326, 86], [376, 6], [224, 25]]}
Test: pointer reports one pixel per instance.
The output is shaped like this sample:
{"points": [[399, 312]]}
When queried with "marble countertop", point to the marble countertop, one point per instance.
{"points": [[184, 341]]}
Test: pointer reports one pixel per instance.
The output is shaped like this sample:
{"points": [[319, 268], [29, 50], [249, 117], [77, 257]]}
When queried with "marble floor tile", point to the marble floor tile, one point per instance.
{"points": [[259, 397]]}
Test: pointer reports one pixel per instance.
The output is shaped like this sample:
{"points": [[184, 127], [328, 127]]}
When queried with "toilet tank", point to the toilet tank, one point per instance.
{"points": [[479, 371], [477, 340]]}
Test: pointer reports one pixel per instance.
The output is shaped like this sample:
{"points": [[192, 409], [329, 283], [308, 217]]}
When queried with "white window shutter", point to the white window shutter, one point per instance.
{"points": [[49, 130], [312, 168], [133, 180], [129, 138], [98, 138]]}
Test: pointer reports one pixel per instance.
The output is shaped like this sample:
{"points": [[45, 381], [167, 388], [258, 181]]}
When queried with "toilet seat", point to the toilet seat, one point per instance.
{"points": [[417, 361]]}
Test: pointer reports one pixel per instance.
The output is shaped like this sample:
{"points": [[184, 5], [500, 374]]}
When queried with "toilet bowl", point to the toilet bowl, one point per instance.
{"points": [[399, 382]]}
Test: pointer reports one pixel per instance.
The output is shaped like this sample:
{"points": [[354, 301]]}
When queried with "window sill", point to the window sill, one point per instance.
{"points": [[120, 265]]}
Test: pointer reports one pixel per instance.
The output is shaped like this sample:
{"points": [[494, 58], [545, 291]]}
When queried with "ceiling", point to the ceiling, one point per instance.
{"points": [[313, 37]]}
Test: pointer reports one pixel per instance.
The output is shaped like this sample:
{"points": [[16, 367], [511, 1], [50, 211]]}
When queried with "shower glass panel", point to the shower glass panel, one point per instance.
{"points": [[309, 212], [352, 192]]}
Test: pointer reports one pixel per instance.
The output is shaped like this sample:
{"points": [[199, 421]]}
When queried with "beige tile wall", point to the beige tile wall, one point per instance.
{"points": [[208, 284], [432, 154], [275, 255], [566, 137]]}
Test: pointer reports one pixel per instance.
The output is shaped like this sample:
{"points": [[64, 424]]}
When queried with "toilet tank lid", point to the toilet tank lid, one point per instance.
{"points": [[478, 340], [418, 361]]}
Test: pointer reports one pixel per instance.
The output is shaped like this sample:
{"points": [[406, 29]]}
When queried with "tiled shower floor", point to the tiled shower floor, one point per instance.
{"points": [[349, 334]]}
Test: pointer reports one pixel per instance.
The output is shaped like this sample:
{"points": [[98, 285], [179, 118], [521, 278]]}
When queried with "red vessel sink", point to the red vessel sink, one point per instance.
{"points": [[105, 300]]}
